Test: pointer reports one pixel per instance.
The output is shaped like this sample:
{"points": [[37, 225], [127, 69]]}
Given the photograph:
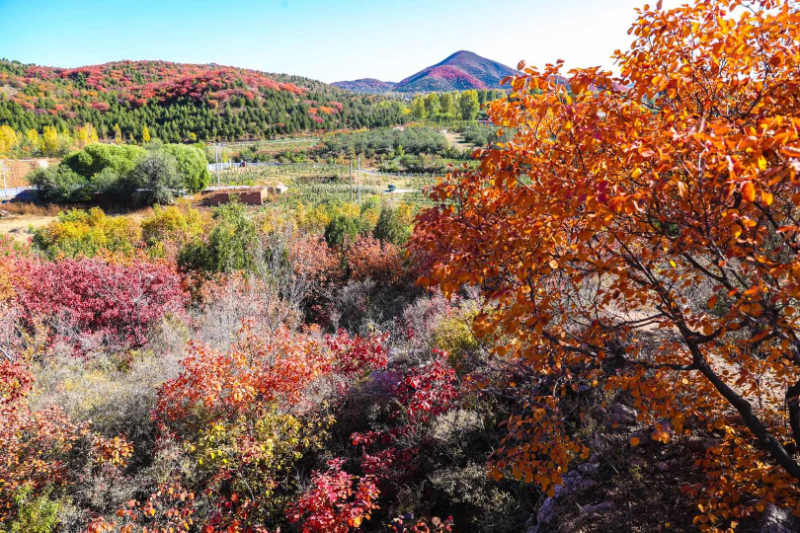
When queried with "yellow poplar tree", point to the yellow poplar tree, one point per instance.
{"points": [[50, 141], [83, 136], [146, 134], [9, 139], [33, 143]]}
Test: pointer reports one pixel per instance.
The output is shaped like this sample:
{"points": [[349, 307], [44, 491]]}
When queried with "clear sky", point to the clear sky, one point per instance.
{"points": [[329, 40]]}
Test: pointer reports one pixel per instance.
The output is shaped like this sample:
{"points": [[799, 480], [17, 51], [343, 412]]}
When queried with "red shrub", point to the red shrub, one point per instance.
{"points": [[98, 297], [370, 258], [278, 367], [428, 391], [334, 505], [420, 394]]}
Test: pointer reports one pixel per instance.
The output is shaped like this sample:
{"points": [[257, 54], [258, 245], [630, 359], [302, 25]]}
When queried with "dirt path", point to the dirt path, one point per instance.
{"points": [[18, 226], [455, 140]]}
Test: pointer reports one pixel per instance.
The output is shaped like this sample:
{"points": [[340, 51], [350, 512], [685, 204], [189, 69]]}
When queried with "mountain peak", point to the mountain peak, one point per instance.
{"points": [[460, 55], [459, 71]]}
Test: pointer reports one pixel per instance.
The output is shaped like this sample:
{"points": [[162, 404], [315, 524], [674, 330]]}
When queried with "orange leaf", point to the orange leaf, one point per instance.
{"points": [[748, 191]]}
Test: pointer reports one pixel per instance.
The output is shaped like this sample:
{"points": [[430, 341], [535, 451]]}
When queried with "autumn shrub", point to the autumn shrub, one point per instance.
{"points": [[335, 503], [43, 454], [320, 271], [116, 392], [34, 514], [228, 301], [396, 452], [87, 233], [311, 257], [312, 219], [118, 302], [277, 219], [421, 525], [371, 258], [432, 320], [369, 214], [168, 228], [12, 335], [485, 504], [246, 417], [454, 334]]}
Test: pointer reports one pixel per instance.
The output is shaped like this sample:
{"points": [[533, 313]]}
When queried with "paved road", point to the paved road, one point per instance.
{"points": [[11, 194]]}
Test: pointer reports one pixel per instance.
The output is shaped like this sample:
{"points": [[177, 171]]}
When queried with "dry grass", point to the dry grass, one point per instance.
{"points": [[23, 208]]}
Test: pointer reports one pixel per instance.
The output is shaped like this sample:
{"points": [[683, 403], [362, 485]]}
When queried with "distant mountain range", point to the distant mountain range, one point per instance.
{"points": [[366, 86], [461, 71]]}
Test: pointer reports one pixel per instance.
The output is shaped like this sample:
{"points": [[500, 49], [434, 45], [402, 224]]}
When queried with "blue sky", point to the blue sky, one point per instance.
{"points": [[326, 40]]}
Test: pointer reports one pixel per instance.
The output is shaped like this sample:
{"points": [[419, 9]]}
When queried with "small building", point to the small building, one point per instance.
{"points": [[245, 195]]}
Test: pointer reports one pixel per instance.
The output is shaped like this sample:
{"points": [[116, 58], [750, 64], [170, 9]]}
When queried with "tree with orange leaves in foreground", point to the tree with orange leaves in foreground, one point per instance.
{"points": [[641, 233]]}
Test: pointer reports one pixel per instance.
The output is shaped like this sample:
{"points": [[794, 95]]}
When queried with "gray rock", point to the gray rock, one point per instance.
{"points": [[778, 520], [575, 482], [589, 469], [622, 414], [547, 512], [599, 508]]}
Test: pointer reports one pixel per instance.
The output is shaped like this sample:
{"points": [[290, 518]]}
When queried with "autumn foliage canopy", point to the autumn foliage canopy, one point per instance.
{"points": [[640, 233]]}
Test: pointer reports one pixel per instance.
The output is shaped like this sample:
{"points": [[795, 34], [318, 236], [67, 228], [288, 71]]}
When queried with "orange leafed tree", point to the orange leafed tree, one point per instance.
{"points": [[642, 233]]}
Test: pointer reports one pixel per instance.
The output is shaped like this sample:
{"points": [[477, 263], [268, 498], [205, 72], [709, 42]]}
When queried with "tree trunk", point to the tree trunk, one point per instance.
{"points": [[753, 423], [793, 402]]}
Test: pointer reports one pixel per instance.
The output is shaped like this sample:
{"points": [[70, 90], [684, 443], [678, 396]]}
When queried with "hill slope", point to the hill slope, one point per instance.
{"points": [[366, 86], [179, 102], [460, 71]]}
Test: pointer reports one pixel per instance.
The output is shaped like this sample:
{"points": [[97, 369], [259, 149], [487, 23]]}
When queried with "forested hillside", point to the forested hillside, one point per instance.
{"points": [[178, 102]]}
